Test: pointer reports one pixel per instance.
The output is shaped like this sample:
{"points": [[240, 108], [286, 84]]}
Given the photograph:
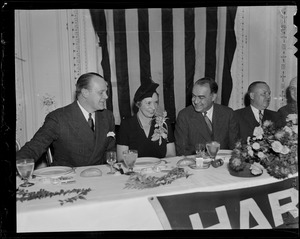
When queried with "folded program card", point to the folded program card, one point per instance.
{"points": [[91, 172]]}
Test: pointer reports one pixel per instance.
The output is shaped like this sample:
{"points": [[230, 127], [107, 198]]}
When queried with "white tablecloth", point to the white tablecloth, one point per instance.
{"points": [[109, 206]]}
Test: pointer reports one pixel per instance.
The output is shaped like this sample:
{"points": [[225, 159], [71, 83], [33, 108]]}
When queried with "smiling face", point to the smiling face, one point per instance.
{"points": [[96, 94], [260, 96], [148, 106], [202, 98]]}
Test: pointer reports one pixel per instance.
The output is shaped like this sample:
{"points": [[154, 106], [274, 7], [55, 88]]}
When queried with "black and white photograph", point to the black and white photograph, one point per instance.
{"points": [[146, 118]]}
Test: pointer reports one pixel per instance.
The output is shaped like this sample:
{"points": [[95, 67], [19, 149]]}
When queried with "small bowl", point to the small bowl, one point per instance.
{"points": [[202, 163]]}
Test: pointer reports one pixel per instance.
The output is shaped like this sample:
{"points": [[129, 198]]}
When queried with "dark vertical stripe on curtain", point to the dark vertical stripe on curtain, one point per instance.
{"points": [[99, 23], [189, 27], [230, 46], [121, 63], [168, 62], [143, 26], [211, 37]]}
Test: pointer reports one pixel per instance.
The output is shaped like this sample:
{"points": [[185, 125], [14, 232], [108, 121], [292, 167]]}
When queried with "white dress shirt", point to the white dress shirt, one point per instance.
{"points": [[209, 113], [85, 113], [256, 113]]}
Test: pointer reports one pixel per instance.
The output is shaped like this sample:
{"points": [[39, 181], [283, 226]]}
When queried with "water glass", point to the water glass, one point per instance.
{"points": [[25, 168], [200, 149], [213, 148], [130, 157], [111, 159]]}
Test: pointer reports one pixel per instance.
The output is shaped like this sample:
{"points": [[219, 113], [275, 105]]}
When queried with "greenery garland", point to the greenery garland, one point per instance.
{"points": [[25, 195], [142, 181]]}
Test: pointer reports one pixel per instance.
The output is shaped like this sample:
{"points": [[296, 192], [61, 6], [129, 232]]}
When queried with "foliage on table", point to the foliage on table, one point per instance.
{"points": [[275, 150], [142, 181], [25, 195]]}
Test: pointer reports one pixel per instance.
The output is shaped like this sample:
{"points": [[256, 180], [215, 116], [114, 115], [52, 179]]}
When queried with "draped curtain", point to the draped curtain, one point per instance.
{"points": [[265, 51], [173, 47]]}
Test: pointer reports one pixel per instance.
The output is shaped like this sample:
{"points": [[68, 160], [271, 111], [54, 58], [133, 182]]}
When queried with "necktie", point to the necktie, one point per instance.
{"points": [[208, 122], [260, 117], [91, 121]]}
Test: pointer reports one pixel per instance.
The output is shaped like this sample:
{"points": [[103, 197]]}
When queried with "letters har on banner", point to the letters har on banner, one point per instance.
{"points": [[273, 205]]}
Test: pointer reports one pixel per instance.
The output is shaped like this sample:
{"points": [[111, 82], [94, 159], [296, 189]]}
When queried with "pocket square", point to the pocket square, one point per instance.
{"points": [[111, 134]]}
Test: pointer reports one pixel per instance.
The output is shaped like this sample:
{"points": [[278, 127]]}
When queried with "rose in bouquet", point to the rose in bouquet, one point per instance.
{"points": [[275, 150]]}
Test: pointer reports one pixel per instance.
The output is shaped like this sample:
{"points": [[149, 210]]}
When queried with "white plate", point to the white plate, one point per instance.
{"points": [[52, 171], [146, 161]]}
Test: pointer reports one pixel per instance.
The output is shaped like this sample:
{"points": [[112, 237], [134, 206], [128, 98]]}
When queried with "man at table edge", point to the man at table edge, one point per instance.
{"points": [[259, 94], [80, 132]]}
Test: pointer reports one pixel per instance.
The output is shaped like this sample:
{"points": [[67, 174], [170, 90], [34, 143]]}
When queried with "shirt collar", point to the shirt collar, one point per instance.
{"points": [[209, 113], [255, 110], [85, 113]]}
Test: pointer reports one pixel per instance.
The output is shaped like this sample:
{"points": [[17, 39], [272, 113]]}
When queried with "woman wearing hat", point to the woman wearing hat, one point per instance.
{"points": [[150, 135]]}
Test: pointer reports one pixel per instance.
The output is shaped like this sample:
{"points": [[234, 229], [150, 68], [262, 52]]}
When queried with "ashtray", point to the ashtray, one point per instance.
{"points": [[204, 166], [201, 163]]}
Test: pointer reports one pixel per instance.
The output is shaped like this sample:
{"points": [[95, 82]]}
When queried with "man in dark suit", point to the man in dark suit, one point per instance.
{"points": [[291, 106], [204, 120], [80, 132], [256, 113]]}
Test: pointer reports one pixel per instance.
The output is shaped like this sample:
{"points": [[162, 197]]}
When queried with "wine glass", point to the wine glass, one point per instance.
{"points": [[212, 149], [130, 157], [200, 149], [111, 159], [25, 168]]}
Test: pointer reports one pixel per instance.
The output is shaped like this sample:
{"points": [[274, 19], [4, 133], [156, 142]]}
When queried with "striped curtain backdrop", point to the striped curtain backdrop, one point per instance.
{"points": [[173, 47]]}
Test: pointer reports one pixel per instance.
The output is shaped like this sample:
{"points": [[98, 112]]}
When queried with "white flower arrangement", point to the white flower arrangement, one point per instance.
{"points": [[275, 150]]}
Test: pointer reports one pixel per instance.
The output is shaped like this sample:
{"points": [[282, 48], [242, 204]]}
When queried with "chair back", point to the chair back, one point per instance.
{"points": [[18, 146]]}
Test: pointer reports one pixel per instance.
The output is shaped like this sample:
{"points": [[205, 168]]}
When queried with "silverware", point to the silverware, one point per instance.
{"points": [[166, 170]]}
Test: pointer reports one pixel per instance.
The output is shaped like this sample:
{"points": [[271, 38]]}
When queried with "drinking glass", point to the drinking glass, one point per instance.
{"points": [[25, 168], [200, 149], [111, 159], [212, 149], [130, 157]]}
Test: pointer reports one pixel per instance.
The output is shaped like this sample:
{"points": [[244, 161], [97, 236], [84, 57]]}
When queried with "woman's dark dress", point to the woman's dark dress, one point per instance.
{"points": [[132, 135]]}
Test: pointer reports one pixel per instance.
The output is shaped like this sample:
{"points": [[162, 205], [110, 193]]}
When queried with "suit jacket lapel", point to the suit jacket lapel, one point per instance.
{"points": [[217, 120], [100, 129], [199, 124], [250, 118], [80, 125]]}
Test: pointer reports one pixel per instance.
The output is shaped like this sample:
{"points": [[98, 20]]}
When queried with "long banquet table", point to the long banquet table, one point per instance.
{"points": [[111, 206]]}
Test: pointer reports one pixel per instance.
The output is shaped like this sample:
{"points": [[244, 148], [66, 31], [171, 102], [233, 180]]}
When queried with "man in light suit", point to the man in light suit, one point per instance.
{"points": [[249, 117], [80, 132], [193, 127]]}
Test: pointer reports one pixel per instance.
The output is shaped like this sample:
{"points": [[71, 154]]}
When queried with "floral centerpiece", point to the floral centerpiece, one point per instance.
{"points": [[161, 127], [143, 181], [275, 150]]}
